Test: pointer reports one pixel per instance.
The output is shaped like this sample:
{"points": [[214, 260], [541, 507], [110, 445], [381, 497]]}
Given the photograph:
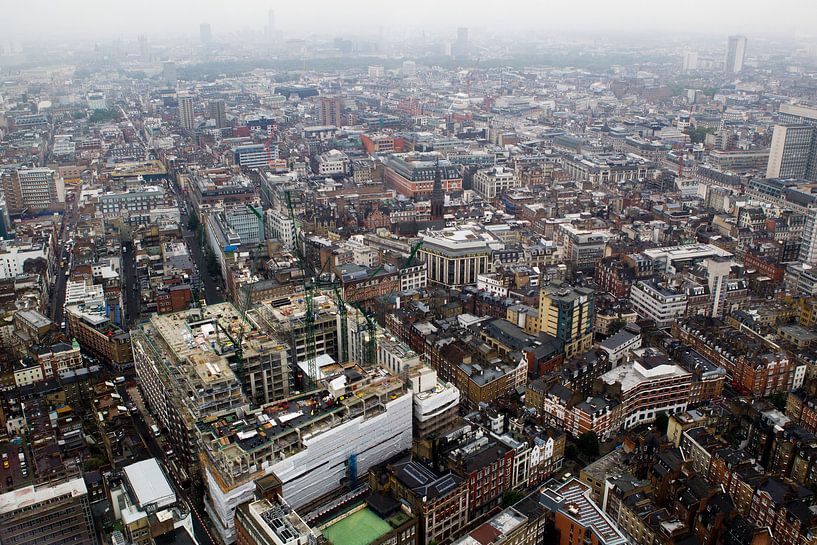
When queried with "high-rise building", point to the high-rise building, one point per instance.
{"points": [[567, 313], [206, 34], [169, 74], [186, 115], [793, 151], [409, 69], [330, 110], [270, 30], [376, 71], [461, 47], [47, 515], [790, 151], [33, 189], [217, 110], [690, 61], [144, 47], [735, 54]]}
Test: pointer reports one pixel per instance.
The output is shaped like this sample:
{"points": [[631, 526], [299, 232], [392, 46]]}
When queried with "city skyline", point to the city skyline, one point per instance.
{"points": [[178, 19]]}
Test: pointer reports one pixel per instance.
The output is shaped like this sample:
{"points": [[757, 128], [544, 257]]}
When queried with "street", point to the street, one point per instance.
{"points": [[129, 281], [203, 535], [211, 292], [69, 221]]}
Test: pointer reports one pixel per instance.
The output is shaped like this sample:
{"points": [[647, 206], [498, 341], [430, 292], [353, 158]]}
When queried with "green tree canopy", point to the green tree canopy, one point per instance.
{"points": [[588, 444]]}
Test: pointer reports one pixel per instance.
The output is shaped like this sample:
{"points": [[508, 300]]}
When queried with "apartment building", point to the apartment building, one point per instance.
{"points": [[567, 313], [649, 386], [33, 190], [47, 514]]}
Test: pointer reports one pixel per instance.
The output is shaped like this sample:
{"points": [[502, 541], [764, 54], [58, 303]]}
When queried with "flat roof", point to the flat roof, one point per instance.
{"points": [[149, 484], [28, 496]]}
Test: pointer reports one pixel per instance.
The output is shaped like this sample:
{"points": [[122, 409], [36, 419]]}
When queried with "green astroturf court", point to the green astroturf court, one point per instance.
{"points": [[359, 528]]}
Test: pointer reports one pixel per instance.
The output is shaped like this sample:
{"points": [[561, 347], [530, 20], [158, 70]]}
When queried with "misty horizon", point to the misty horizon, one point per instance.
{"points": [[95, 20]]}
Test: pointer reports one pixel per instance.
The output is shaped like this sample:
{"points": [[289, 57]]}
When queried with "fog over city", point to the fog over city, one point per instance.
{"points": [[96, 19]]}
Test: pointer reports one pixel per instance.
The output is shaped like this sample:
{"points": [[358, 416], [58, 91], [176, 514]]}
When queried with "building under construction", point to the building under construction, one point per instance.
{"points": [[314, 443], [190, 367]]}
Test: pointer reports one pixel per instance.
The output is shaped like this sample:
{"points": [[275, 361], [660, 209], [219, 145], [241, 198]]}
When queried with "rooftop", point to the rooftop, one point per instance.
{"points": [[29, 496], [574, 502], [149, 484]]}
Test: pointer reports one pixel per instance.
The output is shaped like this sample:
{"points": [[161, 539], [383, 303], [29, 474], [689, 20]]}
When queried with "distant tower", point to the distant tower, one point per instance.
{"points": [[271, 23], [437, 196], [206, 34], [169, 74], [217, 110], [144, 48], [330, 110], [461, 47], [186, 117], [690, 61], [409, 69], [735, 54]]}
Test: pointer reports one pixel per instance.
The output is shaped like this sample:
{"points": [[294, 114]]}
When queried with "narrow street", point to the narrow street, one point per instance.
{"points": [[130, 284], [203, 535], [212, 292]]}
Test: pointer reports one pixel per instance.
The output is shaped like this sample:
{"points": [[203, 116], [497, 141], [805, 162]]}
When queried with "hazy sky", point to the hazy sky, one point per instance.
{"points": [[103, 19]]}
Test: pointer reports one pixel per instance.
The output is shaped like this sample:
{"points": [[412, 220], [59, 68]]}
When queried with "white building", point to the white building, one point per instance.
{"points": [[619, 345], [658, 302], [333, 162], [255, 155], [281, 227], [650, 386], [493, 182], [492, 284], [413, 277], [97, 100], [14, 254], [455, 256], [409, 69]]}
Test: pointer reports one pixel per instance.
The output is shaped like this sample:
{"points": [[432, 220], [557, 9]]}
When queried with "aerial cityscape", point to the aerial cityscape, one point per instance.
{"points": [[455, 274]]}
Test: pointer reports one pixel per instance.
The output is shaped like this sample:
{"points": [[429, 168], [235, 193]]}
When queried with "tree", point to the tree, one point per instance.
{"points": [[571, 452], [698, 134], [212, 263], [588, 444], [778, 400], [616, 325], [193, 222], [94, 463], [100, 116], [662, 422], [511, 497]]}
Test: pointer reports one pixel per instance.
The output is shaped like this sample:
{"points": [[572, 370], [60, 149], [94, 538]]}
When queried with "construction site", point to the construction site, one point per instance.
{"points": [[315, 443]]}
